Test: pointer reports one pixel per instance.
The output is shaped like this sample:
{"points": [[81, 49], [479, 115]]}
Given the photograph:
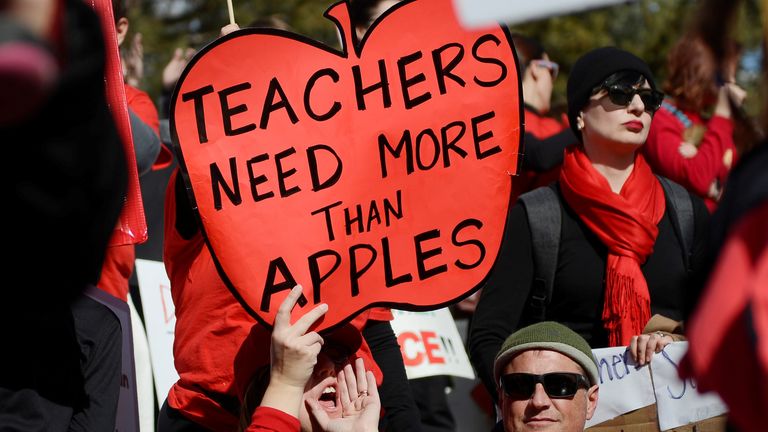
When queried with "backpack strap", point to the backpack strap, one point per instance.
{"points": [[544, 220], [681, 215]]}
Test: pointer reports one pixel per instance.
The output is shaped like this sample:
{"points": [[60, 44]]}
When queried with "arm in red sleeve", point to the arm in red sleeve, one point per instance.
{"points": [[142, 105], [273, 420], [697, 173]]}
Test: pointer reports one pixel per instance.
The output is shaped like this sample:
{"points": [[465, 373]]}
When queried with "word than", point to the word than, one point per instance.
{"points": [[357, 219]]}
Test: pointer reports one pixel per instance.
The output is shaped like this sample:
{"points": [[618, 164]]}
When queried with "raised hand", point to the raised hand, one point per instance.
{"points": [[294, 351], [134, 61], [360, 402], [293, 355], [174, 68]]}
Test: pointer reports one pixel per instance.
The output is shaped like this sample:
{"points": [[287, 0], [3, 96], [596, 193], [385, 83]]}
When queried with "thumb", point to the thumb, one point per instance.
{"points": [[178, 54], [318, 414]]}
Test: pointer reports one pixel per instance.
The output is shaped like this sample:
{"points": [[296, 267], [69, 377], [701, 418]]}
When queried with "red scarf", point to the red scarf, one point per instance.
{"points": [[626, 223]]}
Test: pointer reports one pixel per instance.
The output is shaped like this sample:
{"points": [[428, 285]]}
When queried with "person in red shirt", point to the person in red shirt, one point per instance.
{"points": [[686, 144], [206, 395], [211, 327], [306, 374], [150, 154], [545, 137]]}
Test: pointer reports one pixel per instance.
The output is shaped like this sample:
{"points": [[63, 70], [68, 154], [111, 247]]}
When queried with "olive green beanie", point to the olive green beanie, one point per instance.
{"points": [[552, 336]]}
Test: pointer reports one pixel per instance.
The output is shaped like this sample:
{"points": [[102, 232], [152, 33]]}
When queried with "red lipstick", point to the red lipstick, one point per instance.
{"points": [[634, 125]]}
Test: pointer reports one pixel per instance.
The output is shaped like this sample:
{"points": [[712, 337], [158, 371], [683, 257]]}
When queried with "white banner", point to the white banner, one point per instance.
{"points": [[678, 402], [617, 373], [625, 388], [481, 13], [160, 319], [430, 344]]}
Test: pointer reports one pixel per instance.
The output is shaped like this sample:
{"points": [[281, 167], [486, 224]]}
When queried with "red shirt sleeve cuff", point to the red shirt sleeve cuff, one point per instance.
{"points": [[267, 418]]}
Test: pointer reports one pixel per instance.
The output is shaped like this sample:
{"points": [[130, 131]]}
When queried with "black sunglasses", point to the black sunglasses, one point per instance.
{"points": [[622, 95], [556, 384]]}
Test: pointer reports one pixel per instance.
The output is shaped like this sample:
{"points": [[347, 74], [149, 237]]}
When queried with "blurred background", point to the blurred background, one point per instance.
{"points": [[646, 27]]}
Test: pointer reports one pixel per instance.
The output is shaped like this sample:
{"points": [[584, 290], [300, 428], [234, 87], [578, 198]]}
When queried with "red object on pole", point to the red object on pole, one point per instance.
{"points": [[132, 226]]}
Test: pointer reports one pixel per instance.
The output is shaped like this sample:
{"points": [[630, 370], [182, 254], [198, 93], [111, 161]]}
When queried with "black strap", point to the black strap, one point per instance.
{"points": [[681, 215], [544, 220]]}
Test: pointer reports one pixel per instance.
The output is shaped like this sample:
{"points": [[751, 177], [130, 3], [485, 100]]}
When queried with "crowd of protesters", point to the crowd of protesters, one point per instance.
{"points": [[613, 237]]}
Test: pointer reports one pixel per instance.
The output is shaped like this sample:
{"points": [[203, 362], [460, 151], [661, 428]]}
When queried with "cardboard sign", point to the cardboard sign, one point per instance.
{"points": [[127, 416], [430, 344], [678, 401], [625, 389], [160, 319], [618, 373], [374, 175]]}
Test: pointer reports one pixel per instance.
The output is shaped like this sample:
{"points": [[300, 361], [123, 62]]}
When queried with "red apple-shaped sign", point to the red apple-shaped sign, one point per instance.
{"points": [[374, 175]]}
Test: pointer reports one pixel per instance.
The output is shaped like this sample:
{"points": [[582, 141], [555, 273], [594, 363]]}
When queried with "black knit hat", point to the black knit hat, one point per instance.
{"points": [[591, 69], [551, 336]]}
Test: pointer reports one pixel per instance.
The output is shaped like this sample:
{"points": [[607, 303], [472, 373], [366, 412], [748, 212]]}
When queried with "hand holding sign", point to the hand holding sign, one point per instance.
{"points": [[378, 173], [293, 355], [294, 350], [643, 347]]}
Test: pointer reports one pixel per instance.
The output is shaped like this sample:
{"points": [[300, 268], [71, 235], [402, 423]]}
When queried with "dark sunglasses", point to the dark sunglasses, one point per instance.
{"points": [[622, 95], [553, 67], [556, 384]]}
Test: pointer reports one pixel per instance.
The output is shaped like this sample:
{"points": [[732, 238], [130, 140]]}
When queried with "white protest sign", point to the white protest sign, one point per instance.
{"points": [[618, 374], [160, 319], [430, 344], [678, 402], [480, 13]]}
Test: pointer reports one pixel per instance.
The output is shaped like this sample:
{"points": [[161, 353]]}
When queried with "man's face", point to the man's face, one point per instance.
{"points": [[539, 412]]}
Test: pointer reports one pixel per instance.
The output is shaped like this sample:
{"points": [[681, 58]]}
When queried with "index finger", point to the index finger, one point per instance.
{"points": [[283, 317]]}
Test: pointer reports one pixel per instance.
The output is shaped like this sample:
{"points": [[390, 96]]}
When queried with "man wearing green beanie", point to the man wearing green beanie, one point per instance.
{"points": [[547, 380]]}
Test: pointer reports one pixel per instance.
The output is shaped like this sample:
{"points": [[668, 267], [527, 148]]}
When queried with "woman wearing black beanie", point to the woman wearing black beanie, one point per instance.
{"points": [[623, 242]]}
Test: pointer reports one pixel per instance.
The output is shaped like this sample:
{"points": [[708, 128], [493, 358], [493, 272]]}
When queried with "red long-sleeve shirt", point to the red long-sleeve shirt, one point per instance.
{"points": [[697, 173], [270, 419], [211, 327]]}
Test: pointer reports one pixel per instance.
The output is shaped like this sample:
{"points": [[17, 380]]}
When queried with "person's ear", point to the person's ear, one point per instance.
{"points": [[121, 29], [592, 396]]}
